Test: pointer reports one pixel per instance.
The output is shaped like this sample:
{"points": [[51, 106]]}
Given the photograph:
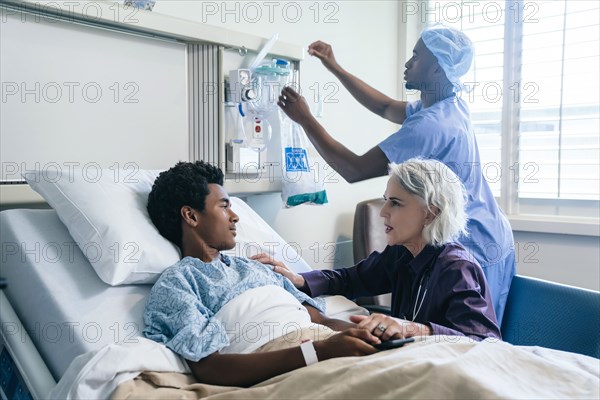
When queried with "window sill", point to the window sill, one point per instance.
{"points": [[556, 225]]}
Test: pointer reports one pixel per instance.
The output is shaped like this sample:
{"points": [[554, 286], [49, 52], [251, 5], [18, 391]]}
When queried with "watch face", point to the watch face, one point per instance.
{"points": [[244, 77]]}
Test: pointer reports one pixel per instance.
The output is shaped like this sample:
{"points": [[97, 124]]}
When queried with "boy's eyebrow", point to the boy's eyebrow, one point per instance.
{"points": [[225, 200]]}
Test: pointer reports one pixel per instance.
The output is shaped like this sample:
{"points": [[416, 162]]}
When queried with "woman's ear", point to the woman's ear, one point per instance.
{"points": [[189, 215], [432, 213]]}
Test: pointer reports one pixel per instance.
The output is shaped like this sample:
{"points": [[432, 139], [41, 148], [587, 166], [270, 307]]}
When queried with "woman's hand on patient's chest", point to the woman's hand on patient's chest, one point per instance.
{"points": [[280, 268]]}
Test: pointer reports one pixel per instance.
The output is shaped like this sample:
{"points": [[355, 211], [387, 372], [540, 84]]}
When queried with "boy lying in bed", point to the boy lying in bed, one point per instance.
{"points": [[233, 319]]}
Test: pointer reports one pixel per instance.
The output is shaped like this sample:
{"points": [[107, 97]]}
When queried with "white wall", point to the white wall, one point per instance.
{"points": [[570, 259], [80, 97]]}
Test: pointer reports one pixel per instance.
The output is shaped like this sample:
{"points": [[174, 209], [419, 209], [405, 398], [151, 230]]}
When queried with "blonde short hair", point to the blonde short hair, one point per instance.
{"points": [[437, 186]]}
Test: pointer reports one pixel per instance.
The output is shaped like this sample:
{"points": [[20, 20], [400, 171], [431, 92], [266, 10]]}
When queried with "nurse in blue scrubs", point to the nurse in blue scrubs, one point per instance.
{"points": [[437, 126]]}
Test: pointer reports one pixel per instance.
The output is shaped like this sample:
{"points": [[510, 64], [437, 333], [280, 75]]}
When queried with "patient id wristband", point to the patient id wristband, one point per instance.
{"points": [[309, 352]]}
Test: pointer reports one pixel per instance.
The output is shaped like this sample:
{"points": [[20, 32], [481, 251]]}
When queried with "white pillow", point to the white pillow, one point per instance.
{"points": [[105, 213], [255, 236]]}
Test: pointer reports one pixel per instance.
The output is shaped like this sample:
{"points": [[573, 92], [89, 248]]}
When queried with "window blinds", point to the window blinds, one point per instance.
{"points": [[554, 97]]}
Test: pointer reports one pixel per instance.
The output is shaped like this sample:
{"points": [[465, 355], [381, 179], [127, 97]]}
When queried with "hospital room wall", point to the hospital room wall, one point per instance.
{"points": [[371, 40], [569, 259]]}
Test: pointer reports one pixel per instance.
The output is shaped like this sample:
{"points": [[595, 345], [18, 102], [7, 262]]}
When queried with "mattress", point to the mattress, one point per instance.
{"points": [[66, 309]]}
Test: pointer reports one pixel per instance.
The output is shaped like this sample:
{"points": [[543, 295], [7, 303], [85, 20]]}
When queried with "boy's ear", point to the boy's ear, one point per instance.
{"points": [[189, 216]]}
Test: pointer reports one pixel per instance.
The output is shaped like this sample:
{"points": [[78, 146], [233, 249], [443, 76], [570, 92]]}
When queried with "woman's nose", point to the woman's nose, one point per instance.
{"points": [[383, 211]]}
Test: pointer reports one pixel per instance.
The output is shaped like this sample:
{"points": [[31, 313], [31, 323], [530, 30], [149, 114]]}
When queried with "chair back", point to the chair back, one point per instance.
{"points": [[369, 236], [548, 314], [368, 232]]}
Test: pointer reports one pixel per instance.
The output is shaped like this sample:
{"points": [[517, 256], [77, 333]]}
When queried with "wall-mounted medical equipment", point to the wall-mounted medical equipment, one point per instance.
{"points": [[252, 123], [255, 92]]}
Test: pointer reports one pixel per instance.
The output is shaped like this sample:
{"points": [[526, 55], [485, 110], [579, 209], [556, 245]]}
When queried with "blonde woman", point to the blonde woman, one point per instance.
{"points": [[437, 287]]}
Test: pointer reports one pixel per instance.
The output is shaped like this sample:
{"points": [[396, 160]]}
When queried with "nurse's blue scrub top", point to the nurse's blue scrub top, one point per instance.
{"points": [[443, 132]]}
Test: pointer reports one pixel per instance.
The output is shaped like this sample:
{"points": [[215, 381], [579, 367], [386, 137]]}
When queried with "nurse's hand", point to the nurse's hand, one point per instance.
{"points": [[387, 328], [279, 267], [294, 105], [323, 52]]}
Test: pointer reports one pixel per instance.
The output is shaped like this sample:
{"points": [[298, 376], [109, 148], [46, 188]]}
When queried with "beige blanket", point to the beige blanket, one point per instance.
{"points": [[438, 367]]}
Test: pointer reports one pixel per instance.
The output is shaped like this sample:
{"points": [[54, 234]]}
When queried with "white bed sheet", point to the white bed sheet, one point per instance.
{"points": [[438, 367]]}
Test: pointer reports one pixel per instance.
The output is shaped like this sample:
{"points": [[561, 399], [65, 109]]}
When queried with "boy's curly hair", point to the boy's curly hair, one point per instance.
{"points": [[185, 184]]}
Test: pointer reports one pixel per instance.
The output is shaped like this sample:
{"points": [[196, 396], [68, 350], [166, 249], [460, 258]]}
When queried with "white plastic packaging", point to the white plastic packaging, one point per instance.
{"points": [[302, 174]]}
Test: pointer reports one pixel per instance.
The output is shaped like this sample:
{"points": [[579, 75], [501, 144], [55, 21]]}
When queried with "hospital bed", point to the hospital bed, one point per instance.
{"points": [[60, 320], [55, 307]]}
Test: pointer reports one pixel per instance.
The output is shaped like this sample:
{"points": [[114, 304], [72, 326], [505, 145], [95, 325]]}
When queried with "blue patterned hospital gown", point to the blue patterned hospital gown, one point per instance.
{"points": [[181, 306]]}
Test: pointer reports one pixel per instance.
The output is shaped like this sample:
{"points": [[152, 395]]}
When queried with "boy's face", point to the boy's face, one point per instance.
{"points": [[217, 221]]}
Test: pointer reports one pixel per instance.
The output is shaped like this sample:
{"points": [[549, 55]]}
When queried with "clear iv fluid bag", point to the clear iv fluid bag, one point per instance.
{"points": [[268, 80], [236, 131]]}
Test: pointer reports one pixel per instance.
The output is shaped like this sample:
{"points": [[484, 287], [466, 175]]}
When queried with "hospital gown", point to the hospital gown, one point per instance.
{"points": [[181, 305], [443, 132]]}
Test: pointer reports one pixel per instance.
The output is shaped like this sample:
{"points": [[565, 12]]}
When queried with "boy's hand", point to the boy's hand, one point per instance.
{"points": [[348, 343]]}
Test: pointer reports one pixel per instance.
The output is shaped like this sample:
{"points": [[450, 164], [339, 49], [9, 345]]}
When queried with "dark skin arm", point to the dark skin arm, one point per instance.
{"points": [[332, 323], [372, 99], [352, 167], [249, 369]]}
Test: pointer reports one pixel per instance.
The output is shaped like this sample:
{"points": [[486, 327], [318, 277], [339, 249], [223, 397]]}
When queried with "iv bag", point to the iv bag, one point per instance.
{"points": [[268, 80], [303, 177], [235, 130]]}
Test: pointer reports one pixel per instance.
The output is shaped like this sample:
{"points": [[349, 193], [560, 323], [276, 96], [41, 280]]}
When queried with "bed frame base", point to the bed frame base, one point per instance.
{"points": [[23, 373]]}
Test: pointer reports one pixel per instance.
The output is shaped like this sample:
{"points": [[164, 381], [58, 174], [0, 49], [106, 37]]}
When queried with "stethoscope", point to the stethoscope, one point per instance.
{"points": [[415, 309], [426, 273]]}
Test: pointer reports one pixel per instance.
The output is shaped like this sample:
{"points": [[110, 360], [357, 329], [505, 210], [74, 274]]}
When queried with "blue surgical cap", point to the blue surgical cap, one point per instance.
{"points": [[452, 49]]}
